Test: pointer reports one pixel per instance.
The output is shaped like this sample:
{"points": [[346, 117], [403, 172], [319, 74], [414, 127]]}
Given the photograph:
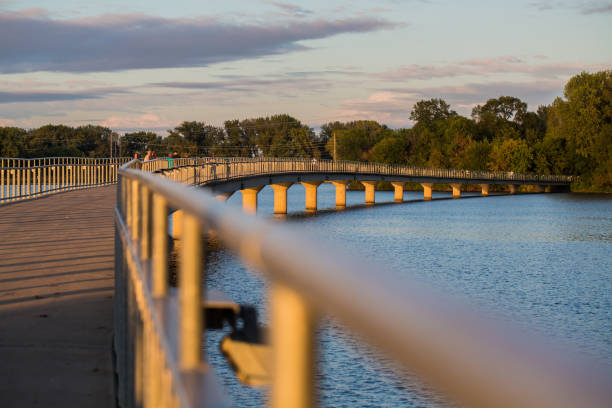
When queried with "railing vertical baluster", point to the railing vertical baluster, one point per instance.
{"points": [[2, 181], [135, 209], [28, 171], [293, 347], [145, 202], [190, 294], [38, 170], [160, 245]]}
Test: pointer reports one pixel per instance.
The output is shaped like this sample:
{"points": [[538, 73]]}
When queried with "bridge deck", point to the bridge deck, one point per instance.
{"points": [[56, 307]]}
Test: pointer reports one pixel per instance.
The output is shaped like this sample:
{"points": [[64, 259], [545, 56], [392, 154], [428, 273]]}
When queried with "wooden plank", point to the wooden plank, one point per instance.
{"points": [[56, 307]]}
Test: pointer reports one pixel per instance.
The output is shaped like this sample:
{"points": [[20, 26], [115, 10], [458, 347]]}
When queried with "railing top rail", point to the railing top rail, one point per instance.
{"points": [[464, 354], [64, 157]]}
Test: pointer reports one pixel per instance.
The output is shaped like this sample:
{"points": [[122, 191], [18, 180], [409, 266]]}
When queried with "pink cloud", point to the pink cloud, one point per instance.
{"points": [[491, 66], [145, 121], [7, 122]]}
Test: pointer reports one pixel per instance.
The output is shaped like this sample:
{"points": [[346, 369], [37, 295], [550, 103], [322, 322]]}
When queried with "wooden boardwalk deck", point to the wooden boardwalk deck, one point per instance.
{"points": [[56, 306]]}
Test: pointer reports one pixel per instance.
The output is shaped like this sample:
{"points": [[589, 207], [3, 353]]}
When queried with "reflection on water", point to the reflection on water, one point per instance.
{"points": [[541, 259]]}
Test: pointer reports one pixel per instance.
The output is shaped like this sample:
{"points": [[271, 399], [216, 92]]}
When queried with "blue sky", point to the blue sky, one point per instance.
{"points": [[152, 64]]}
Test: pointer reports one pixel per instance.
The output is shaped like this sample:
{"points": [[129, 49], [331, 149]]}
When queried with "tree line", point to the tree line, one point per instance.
{"points": [[572, 136]]}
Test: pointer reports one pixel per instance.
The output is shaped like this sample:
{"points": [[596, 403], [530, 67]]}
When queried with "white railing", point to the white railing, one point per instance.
{"points": [[207, 170], [22, 179], [159, 331]]}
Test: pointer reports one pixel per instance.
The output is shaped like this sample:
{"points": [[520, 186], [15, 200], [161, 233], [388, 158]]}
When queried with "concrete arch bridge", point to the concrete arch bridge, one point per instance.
{"points": [[226, 176]]}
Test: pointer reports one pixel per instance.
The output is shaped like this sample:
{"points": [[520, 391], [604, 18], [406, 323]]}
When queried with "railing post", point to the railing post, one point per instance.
{"points": [[28, 171], [145, 237], [190, 295], [135, 209], [293, 345], [160, 245]]}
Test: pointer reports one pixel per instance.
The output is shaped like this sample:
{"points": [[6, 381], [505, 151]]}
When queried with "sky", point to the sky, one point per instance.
{"points": [[150, 65]]}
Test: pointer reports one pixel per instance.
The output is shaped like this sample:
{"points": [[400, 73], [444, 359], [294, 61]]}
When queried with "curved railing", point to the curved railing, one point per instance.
{"points": [[208, 169], [22, 179], [159, 331]]}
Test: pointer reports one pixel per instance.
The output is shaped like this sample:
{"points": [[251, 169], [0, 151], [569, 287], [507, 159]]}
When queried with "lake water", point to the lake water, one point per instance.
{"points": [[544, 260]]}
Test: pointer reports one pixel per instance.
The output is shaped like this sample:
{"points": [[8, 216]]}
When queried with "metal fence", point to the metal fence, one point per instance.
{"points": [[22, 179], [207, 169], [159, 331]]}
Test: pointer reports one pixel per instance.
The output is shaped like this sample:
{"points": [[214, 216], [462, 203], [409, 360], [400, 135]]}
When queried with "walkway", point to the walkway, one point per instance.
{"points": [[56, 306]]}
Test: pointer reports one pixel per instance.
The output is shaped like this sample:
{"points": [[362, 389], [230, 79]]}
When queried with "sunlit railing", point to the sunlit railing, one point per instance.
{"points": [[159, 331], [206, 170], [22, 179]]}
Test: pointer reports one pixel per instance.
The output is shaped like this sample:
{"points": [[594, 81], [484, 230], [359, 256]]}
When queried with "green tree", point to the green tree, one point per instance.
{"points": [[391, 149], [511, 155], [140, 142], [12, 141], [354, 140], [504, 107], [428, 112], [584, 122]]}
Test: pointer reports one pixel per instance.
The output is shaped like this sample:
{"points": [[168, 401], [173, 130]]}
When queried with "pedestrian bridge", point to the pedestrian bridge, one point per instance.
{"points": [[159, 329], [226, 176]]}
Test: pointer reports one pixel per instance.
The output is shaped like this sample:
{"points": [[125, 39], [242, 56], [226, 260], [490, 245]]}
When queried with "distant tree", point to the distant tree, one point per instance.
{"points": [[505, 107], [52, 140], [583, 121], [354, 140], [391, 149], [140, 142], [199, 139], [511, 155], [427, 112], [12, 141], [93, 141], [476, 156]]}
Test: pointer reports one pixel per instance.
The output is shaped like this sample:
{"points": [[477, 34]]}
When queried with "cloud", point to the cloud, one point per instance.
{"points": [[53, 96], [33, 42], [291, 10], [246, 85], [7, 122], [607, 8], [146, 121], [584, 7], [486, 66]]}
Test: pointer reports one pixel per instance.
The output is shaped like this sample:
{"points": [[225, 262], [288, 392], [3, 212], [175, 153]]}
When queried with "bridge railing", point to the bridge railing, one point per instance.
{"points": [[22, 179], [209, 169], [159, 331]]}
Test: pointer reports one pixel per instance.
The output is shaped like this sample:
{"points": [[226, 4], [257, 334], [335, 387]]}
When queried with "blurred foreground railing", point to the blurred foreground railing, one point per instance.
{"points": [[159, 331], [209, 169], [22, 179]]}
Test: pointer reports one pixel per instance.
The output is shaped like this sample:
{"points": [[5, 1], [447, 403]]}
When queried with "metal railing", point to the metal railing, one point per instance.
{"points": [[159, 331], [207, 170], [22, 179]]}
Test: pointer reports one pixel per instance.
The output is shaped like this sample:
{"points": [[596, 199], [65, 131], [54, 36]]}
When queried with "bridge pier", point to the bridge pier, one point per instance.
{"points": [[370, 191], [340, 193], [456, 190], [311, 194], [280, 197], [249, 199], [485, 189], [513, 188], [427, 188], [398, 186]]}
